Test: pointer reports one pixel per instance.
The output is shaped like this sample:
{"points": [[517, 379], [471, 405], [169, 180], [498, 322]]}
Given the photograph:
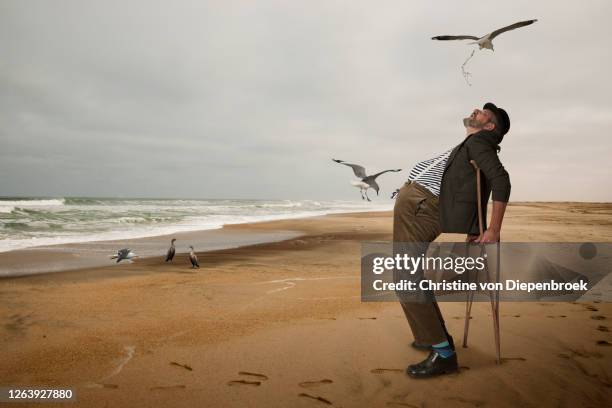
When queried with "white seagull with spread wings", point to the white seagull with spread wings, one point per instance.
{"points": [[365, 182], [486, 41], [124, 254]]}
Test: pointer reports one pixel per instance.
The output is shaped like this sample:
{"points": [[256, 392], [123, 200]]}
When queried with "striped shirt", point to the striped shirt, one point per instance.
{"points": [[429, 173]]}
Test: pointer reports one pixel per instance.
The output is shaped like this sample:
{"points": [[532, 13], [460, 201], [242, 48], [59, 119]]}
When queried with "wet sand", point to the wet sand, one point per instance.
{"points": [[282, 324], [64, 257]]}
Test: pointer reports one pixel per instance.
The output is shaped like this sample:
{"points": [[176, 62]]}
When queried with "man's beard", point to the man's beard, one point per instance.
{"points": [[471, 122]]}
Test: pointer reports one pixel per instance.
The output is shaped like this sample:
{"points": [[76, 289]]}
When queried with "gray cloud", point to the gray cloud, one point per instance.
{"points": [[252, 99]]}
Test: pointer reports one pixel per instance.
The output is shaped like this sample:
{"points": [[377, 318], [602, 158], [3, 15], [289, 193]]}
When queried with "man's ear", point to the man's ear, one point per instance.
{"points": [[489, 126]]}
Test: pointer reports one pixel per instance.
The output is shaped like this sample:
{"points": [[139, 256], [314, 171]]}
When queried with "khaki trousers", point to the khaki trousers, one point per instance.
{"points": [[416, 220]]}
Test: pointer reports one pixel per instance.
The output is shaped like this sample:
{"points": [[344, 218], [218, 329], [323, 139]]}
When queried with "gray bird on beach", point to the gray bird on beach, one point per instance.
{"points": [[486, 41], [124, 253], [365, 182], [193, 258], [171, 251]]}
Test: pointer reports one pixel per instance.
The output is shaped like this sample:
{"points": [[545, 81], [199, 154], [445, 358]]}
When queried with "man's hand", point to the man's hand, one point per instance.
{"points": [[490, 236], [471, 238]]}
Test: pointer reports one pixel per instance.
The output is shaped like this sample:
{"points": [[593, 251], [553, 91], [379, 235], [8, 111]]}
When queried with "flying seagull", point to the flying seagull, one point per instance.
{"points": [[486, 41], [124, 253], [171, 251], [365, 182], [194, 259]]}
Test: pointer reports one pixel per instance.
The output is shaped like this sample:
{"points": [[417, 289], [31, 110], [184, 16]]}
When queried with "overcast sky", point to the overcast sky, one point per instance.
{"points": [[251, 99]]}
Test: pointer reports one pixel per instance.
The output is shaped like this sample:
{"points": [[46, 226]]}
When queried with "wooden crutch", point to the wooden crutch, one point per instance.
{"points": [[493, 295]]}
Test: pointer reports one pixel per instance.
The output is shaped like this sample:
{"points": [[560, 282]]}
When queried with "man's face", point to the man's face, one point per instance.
{"points": [[480, 119]]}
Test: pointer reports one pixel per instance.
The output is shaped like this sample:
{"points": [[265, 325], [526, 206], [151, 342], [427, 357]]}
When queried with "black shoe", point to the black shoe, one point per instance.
{"points": [[433, 365], [420, 346]]}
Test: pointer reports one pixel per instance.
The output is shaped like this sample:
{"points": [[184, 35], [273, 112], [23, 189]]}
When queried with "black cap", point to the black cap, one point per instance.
{"points": [[502, 117]]}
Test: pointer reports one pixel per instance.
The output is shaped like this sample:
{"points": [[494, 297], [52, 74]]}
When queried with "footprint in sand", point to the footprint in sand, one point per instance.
{"points": [[244, 382], [603, 380], [315, 397], [311, 384], [603, 343], [19, 322], [579, 353], [367, 318], [598, 317], [401, 404], [168, 387], [185, 366], [101, 385], [504, 359], [592, 308], [251, 382], [256, 375], [603, 328], [386, 370]]}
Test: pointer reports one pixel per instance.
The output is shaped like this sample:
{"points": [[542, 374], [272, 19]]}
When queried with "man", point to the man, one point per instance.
{"points": [[440, 196]]}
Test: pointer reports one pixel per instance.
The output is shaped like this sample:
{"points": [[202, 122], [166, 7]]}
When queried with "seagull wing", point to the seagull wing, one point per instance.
{"points": [[373, 176], [511, 27], [455, 37], [357, 169]]}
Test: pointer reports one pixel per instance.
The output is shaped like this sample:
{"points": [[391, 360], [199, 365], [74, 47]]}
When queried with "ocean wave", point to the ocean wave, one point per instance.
{"points": [[7, 206], [287, 204], [32, 203], [84, 201], [6, 209], [37, 222]]}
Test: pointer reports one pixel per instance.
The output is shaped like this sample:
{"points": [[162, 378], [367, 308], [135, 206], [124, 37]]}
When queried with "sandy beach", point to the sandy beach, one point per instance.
{"points": [[282, 324]]}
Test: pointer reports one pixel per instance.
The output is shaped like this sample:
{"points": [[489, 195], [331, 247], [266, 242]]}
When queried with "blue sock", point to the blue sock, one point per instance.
{"points": [[444, 349]]}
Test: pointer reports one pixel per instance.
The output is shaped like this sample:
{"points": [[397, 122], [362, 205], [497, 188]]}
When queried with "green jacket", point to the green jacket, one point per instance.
{"points": [[458, 205]]}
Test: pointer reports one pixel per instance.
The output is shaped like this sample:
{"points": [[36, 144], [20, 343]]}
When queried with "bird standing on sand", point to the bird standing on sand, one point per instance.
{"points": [[171, 251], [124, 253], [365, 182], [486, 41], [193, 258]]}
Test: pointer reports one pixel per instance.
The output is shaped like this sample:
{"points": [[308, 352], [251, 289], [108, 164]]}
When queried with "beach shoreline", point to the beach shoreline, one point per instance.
{"points": [[79, 255], [289, 315], [33, 222]]}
